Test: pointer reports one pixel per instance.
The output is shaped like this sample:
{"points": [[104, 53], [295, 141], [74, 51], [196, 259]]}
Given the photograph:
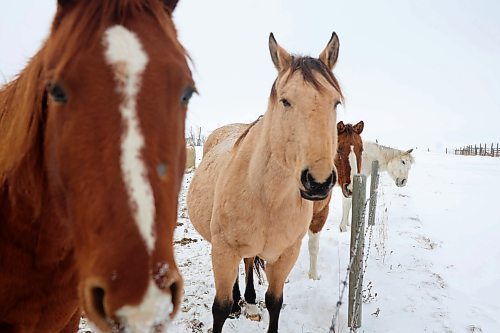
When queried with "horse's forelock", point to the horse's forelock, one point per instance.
{"points": [[90, 18], [307, 66]]}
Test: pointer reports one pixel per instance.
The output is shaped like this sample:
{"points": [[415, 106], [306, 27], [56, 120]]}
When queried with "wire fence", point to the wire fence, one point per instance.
{"points": [[477, 150], [359, 254], [354, 249]]}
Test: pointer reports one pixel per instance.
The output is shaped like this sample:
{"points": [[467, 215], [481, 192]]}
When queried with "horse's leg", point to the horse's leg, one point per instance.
{"points": [[346, 208], [320, 214], [277, 272], [251, 310], [236, 309], [225, 264], [250, 295], [313, 254]]}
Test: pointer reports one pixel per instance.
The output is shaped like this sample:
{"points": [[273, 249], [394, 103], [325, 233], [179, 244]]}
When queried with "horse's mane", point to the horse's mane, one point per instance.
{"points": [[245, 132], [390, 152], [308, 66], [21, 114]]}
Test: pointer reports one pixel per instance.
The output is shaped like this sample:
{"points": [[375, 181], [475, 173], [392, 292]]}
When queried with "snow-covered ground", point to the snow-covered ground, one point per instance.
{"points": [[433, 265]]}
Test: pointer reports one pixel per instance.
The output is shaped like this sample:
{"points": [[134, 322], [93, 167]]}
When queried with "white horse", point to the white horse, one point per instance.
{"points": [[395, 162]]}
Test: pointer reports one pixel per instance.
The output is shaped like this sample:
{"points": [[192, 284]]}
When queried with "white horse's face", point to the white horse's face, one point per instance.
{"points": [[399, 167]]}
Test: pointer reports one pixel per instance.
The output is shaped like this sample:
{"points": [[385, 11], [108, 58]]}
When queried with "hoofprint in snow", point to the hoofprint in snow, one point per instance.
{"points": [[433, 265]]}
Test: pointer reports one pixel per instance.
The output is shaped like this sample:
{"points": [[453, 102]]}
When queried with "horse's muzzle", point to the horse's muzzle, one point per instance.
{"points": [[401, 182], [313, 190]]}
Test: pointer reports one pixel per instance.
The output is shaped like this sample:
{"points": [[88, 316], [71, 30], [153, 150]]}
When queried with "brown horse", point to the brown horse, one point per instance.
{"points": [[92, 155], [251, 196], [348, 162]]}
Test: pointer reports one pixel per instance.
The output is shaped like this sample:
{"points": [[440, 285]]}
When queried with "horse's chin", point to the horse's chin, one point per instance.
{"points": [[313, 197]]}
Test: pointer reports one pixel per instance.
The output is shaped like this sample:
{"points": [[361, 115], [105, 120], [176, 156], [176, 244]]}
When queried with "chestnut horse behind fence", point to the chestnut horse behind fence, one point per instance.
{"points": [[348, 161], [92, 155]]}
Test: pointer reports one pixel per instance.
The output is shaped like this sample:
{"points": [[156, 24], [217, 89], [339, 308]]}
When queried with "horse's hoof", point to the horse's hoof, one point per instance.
{"points": [[252, 312], [235, 314], [343, 228], [314, 276]]}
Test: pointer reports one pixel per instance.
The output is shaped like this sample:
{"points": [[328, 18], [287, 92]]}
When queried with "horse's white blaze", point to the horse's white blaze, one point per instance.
{"points": [[353, 162], [154, 310], [124, 52]]}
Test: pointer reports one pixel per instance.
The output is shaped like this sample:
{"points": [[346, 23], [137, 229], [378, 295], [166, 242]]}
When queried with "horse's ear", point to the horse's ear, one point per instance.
{"points": [[408, 152], [281, 58], [170, 4], [358, 128], [340, 127], [330, 54]]}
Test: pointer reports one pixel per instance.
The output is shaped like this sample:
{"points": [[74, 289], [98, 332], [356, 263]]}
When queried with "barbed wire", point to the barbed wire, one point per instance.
{"points": [[356, 304], [353, 256]]}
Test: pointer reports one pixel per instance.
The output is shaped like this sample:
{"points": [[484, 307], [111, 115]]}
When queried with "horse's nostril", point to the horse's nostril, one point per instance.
{"points": [[97, 301], [305, 179], [333, 178], [310, 178]]}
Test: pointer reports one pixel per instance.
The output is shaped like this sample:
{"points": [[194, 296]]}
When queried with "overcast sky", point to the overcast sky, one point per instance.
{"points": [[419, 73]]}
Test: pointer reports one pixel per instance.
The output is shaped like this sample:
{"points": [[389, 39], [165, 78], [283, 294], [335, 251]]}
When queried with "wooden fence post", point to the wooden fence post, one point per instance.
{"points": [[373, 193], [356, 272]]}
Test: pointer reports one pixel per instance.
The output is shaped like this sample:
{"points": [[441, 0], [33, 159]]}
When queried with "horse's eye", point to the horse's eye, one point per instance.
{"points": [[285, 102], [187, 94], [403, 162], [57, 93]]}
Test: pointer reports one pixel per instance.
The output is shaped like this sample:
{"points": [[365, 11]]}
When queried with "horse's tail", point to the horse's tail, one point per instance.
{"points": [[259, 266]]}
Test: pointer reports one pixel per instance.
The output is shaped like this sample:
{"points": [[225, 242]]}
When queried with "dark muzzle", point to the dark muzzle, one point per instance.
{"points": [[313, 190]]}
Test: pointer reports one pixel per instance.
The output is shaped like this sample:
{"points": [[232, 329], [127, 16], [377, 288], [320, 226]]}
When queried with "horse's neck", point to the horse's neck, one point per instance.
{"points": [[264, 172], [383, 155], [27, 215]]}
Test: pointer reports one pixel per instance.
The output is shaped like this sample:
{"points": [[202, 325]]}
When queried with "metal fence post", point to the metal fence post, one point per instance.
{"points": [[356, 272], [373, 193]]}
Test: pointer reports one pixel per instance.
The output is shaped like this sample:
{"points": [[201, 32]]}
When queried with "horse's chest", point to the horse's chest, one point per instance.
{"points": [[268, 233]]}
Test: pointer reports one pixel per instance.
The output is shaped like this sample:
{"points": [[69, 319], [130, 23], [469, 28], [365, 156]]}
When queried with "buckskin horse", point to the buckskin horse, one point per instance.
{"points": [[92, 154], [253, 195], [348, 161]]}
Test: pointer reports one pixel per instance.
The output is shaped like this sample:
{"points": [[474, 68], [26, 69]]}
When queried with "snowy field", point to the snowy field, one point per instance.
{"points": [[433, 265]]}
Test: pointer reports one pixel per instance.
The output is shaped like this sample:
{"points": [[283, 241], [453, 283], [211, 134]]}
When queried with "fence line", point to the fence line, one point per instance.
{"points": [[354, 249], [358, 262], [477, 150], [356, 272]]}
